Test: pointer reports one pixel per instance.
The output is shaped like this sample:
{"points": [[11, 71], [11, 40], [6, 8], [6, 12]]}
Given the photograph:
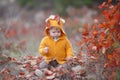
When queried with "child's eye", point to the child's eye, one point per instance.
{"points": [[58, 31]]}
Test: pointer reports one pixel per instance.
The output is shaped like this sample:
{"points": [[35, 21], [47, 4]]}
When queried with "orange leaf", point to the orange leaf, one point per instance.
{"points": [[107, 44], [112, 22], [80, 42], [109, 1], [94, 26], [102, 36], [109, 56], [101, 26], [95, 32]]}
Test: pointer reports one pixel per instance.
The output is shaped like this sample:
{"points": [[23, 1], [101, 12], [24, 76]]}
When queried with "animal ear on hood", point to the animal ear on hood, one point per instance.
{"points": [[52, 19], [55, 17]]}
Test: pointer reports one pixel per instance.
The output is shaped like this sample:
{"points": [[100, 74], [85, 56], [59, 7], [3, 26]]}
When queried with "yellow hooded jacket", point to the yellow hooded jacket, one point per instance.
{"points": [[60, 49]]}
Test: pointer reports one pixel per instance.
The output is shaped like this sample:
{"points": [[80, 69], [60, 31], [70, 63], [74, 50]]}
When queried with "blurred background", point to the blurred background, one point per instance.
{"points": [[22, 22]]}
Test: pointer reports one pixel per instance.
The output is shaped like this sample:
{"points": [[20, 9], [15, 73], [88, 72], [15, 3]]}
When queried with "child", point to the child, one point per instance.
{"points": [[55, 47]]}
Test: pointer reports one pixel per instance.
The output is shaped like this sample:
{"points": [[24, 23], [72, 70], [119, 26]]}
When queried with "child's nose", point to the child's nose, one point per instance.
{"points": [[56, 33]]}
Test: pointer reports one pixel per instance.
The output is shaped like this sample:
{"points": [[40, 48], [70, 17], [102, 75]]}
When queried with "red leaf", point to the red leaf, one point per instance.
{"points": [[105, 12], [22, 73], [47, 72], [100, 6], [50, 77], [106, 65], [112, 76], [102, 36], [11, 33], [100, 25], [85, 33], [25, 30], [4, 70], [117, 17], [103, 5]]}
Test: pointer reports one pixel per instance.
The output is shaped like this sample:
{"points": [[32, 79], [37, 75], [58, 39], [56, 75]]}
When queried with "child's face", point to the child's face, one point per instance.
{"points": [[55, 32]]}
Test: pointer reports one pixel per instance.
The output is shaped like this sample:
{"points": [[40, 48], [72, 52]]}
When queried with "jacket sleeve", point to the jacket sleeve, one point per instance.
{"points": [[41, 47], [69, 49]]}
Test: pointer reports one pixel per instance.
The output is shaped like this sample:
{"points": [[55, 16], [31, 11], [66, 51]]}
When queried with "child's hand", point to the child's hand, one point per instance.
{"points": [[46, 49], [69, 59]]}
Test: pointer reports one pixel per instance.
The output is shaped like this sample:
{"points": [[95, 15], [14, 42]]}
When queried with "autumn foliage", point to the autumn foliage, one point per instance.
{"points": [[98, 57], [102, 40]]}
